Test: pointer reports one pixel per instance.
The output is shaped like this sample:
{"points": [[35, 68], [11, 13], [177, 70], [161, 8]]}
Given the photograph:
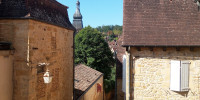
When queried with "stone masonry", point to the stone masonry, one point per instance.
{"points": [[150, 73], [38, 42]]}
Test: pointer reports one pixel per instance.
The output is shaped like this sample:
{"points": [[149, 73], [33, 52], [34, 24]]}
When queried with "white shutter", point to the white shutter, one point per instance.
{"points": [[124, 74], [184, 75], [175, 82]]}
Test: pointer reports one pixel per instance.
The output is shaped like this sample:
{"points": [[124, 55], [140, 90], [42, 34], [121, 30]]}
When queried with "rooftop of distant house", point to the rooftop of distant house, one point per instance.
{"points": [[85, 77], [161, 23], [49, 11], [116, 46]]}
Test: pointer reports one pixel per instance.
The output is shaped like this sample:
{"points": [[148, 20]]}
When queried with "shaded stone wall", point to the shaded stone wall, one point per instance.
{"points": [[150, 74], [120, 93], [37, 42], [6, 75], [16, 32]]}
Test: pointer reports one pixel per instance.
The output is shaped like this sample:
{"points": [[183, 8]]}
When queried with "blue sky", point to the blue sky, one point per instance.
{"points": [[97, 12]]}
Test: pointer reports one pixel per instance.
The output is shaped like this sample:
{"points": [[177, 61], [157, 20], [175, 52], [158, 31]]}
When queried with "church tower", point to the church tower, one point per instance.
{"points": [[77, 22]]}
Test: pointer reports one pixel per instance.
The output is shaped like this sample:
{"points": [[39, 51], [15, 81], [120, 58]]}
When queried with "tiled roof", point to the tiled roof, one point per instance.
{"points": [[120, 52], [84, 78], [161, 23], [49, 11], [117, 47]]}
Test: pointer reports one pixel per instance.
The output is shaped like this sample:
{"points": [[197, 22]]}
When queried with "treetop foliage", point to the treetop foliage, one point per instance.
{"points": [[110, 31], [92, 50]]}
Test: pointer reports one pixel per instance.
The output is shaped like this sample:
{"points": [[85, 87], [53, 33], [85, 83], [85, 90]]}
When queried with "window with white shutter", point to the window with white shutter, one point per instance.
{"points": [[124, 74], [185, 75], [179, 79], [175, 76]]}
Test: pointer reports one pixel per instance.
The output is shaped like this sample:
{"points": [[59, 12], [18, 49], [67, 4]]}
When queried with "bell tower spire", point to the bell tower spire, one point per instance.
{"points": [[77, 22]]}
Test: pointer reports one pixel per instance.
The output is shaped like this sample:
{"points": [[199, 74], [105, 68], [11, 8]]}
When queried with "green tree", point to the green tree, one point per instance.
{"points": [[92, 50]]}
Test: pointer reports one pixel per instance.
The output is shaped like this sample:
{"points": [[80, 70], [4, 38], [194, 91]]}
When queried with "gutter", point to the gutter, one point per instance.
{"points": [[160, 45], [128, 61], [73, 65], [69, 27]]}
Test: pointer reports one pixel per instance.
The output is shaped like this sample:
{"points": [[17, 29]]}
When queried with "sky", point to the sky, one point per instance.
{"points": [[97, 12]]}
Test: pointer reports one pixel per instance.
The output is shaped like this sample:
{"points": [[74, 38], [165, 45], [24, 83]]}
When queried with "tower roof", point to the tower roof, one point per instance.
{"points": [[77, 14], [77, 22]]}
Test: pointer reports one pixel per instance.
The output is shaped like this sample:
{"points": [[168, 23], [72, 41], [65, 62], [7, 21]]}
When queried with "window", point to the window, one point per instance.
{"points": [[179, 79], [124, 74]]}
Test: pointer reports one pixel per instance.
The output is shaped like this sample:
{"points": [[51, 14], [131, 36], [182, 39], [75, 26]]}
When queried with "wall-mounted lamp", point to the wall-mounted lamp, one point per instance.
{"points": [[47, 77]]}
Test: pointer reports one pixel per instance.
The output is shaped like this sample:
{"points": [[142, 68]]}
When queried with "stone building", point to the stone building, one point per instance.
{"points": [[77, 22], [162, 44], [88, 83], [37, 35], [6, 62], [116, 48]]}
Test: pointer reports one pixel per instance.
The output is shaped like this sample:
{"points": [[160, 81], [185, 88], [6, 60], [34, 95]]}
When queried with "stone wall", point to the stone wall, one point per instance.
{"points": [[37, 42], [6, 75], [92, 93], [120, 93], [150, 74], [16, 32]]}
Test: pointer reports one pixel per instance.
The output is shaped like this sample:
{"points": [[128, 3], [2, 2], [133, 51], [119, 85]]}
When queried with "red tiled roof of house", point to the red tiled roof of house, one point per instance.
{"points": [[120, 52], [49, 11], [161, 23], [117, 47], [84, 79]]}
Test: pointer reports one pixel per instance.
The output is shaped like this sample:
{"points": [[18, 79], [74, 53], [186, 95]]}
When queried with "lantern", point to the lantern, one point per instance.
{"points": [[47, 77]]}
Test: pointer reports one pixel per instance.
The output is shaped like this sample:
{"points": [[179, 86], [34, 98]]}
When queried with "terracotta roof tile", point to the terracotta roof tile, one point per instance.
{"points": [[117, 47], [120, 52], [84, 78], [161, 23]]}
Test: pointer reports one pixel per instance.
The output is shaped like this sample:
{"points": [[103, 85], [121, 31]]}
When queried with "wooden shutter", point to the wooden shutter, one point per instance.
{"points": [[175, 82], [185, 75], [124, 74]]}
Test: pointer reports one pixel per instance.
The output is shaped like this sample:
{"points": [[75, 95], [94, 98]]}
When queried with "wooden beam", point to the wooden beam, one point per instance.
{"points": [[164, 48], [178, 48], [138, 48], [151, 48], [191, 48]]}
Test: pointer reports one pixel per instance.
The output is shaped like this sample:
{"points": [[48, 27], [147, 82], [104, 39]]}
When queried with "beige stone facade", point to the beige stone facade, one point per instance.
{"points": [[150, 73], [37, 42], [92, 93]]}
